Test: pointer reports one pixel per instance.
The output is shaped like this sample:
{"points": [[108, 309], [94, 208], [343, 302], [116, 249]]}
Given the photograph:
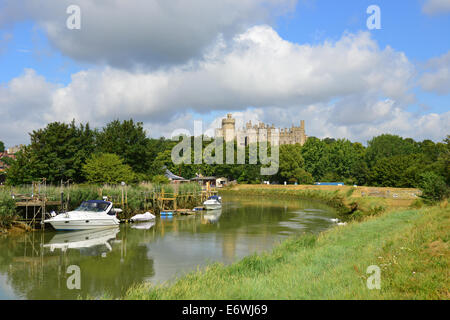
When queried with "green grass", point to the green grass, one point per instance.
{"points": [[410, 247]]}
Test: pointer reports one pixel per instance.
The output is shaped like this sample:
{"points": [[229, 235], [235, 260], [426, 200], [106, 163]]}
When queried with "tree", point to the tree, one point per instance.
{"points": [[107, 168], [316, 156], [57, 152], [291, 163], [388, 145], [128, 140], [395, 171], [433, 186], [2, 146]]}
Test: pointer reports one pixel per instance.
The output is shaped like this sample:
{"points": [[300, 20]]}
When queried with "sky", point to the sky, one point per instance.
{"points": [[168, 63]]}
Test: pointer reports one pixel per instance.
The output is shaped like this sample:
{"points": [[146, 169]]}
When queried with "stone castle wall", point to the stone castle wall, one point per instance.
{"points": [[250, 133]]}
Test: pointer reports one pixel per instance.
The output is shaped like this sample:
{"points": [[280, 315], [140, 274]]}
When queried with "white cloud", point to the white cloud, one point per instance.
{"points": [[437, 77], [146, 33], [346, 88], [433, 7], [257, 68]]}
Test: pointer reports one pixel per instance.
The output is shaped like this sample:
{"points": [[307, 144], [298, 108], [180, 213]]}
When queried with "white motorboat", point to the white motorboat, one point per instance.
{"points": [[213, 203], [143, 217], [92, 214]]}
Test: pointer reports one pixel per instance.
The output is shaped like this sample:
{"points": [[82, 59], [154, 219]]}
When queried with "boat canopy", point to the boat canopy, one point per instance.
{"points": [[94, 205], [214, 198]]}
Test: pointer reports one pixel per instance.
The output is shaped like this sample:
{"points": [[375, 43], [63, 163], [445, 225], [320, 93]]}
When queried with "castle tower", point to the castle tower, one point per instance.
{"points": [[229, 128]]}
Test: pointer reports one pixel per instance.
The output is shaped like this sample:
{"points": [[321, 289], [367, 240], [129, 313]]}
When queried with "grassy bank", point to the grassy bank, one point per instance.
{"points": [[347, 201], [410, 246]]}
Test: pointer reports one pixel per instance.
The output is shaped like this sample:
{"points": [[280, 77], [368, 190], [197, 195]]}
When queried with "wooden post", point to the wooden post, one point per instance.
{"points": [[122, 199]]}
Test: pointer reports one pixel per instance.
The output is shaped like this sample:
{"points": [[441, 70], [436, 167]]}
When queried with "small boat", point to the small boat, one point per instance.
{"points": [[143, 217], [166, 213], [213, 203], [92, 214]]}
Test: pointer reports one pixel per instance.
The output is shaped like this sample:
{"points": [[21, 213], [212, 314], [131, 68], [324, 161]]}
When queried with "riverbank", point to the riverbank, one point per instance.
{"points": [[410, 247], [350, 202]]}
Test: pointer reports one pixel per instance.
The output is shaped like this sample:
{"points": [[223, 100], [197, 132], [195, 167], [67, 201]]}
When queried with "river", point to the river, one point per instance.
{"points": [[40, 265]]}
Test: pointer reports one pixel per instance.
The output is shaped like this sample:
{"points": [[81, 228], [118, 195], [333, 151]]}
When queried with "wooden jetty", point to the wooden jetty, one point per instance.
{"points": [[35, 207]]}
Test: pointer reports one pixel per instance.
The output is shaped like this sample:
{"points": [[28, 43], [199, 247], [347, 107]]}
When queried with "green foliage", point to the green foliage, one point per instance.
{"points": [[56, 153], [2, 146], [107, 168], [59, 152], [128, 140], [433, 187], [160, 179], [387, 145], [7, 210]]}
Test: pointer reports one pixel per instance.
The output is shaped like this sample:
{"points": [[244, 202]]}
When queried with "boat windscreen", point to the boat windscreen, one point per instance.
{"points": [[93, 206]]}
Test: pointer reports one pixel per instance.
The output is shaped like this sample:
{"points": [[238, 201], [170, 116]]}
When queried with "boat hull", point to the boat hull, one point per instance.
{"points": [[72, 225], [212, 205]]}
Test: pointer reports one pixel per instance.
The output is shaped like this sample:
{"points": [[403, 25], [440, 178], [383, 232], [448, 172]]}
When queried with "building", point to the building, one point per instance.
{"points": [[3, 164], [15, 149], [173, 178], [250, 133]]}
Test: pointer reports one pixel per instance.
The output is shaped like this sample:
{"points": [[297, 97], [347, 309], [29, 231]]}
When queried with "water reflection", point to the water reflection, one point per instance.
{"points": [[96, 240], [34, 265]]}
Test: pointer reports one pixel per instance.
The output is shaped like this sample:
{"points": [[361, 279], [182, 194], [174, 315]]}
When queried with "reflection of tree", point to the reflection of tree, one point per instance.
{"points": [[40, 274]]}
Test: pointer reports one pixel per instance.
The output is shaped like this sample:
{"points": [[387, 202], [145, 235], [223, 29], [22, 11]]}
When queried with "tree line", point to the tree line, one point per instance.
{"points": [[121, 151]]}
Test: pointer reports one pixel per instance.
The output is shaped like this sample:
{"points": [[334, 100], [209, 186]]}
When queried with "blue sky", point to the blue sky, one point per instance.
{"points": [[28, 41]]}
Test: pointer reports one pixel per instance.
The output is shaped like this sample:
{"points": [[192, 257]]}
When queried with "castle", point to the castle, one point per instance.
{"points": [[250, 133]]}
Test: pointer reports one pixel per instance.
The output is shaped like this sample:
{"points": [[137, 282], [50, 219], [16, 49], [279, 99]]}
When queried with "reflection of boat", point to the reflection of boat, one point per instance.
{"points": [[213, 203], [143, 217], [213, 215], [82, 239], [143, 225], [92, 214]]}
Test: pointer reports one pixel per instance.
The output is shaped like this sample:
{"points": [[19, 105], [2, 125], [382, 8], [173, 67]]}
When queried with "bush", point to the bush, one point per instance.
{"points": [[7, 210], [160, 179], [433, 187]]}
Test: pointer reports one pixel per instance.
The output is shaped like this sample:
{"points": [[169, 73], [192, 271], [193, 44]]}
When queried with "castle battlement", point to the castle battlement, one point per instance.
{"points": [[250, 132]]}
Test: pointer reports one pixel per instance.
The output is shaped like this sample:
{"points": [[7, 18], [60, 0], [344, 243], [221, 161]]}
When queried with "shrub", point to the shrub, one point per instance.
{"points": [[433, 187], [7, 210]]}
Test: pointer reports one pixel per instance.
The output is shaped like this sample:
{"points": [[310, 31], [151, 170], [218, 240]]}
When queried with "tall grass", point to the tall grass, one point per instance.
{"points": [[409, 246]]}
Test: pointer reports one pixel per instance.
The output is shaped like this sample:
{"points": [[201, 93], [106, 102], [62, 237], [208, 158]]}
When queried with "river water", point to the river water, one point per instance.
{"points": [[40, 265]]}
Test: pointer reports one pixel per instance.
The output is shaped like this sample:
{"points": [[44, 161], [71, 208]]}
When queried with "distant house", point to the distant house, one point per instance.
{"points": [[220, 182], [174, 178], [3, 165], [205, 181], [15, 149]]}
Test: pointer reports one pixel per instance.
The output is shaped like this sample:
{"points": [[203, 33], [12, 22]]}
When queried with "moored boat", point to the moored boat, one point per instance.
{"points": [[92, 214], [213, 203]]}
